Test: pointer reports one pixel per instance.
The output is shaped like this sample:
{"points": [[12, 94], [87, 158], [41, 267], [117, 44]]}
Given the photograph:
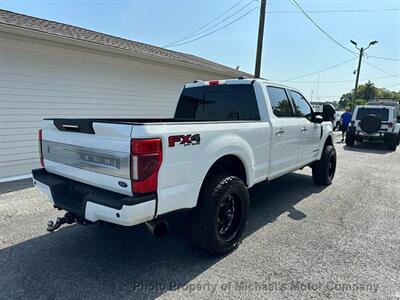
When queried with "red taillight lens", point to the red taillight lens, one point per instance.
{"points": [[146, 157], [213, 82], [40, 139]]}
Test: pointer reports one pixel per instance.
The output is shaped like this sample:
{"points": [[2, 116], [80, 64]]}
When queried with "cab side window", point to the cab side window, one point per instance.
{"points": [[301, 107], [280, 102]]}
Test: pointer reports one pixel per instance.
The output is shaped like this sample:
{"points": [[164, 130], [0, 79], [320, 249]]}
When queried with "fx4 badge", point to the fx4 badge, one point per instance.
{"points": [[186, 140]]}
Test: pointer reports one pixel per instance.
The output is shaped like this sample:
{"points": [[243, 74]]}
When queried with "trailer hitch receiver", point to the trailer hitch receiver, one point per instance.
{"points": [[68, 218]]}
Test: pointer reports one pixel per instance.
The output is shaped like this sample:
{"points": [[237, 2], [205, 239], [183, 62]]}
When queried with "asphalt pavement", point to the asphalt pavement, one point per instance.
{"points": [[302, 241]]}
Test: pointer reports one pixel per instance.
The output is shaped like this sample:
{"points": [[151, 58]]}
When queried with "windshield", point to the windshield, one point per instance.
{"points": [[382, 113]]}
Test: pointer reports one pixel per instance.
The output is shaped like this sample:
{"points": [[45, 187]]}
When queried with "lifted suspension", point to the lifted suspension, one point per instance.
{"points": [[68, 218]]}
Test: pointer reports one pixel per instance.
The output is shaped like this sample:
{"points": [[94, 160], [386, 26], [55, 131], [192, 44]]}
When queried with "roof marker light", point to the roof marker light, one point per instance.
{"points": [[213, 82]]}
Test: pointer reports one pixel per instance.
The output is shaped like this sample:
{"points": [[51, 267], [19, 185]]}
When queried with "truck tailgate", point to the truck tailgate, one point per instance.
{"points": [[95, 153]]}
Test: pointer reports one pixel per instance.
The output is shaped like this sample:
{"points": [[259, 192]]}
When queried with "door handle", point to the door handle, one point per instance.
{"points": [[280, 131], [304, 129]]}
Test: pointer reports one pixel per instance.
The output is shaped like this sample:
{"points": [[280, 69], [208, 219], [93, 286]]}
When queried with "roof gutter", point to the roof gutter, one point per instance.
{"points": [[105, 48]]}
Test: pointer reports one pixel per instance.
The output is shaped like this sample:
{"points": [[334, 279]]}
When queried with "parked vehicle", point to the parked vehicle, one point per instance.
{"points": [[374, 122], [225, 137]]}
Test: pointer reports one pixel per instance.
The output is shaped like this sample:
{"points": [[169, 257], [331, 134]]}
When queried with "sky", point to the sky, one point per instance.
{"points": [[293, 46]]}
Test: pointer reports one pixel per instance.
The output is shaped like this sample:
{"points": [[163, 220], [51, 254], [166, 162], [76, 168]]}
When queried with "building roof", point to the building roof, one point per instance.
{"points": [[89, 36]]}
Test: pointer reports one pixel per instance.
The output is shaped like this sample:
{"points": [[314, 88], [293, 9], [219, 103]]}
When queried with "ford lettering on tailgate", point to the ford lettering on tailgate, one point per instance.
{"points": [[92, 159], [99, 159]]}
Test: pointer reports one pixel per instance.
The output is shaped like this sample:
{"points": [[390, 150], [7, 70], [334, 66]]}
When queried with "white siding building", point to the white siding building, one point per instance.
{"points": [[48, 69]]}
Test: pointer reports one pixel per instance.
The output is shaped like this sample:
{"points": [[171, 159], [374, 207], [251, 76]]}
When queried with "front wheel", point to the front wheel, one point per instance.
{"points": [[324, 170], [218, 220]]}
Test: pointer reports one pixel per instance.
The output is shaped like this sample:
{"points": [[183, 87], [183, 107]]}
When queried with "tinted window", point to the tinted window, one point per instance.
{"points": [[301, 106], [382, 113], [218, 103], [279, 102]]}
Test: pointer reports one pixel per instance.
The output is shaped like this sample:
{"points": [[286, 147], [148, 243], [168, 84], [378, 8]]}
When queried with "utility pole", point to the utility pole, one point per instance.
{"points": [[357, 77], [361, 53], [260, 39], [319, 75]]}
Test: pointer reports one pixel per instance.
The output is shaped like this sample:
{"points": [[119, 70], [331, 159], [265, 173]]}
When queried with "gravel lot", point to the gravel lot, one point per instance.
{"points": [[302, 241]]}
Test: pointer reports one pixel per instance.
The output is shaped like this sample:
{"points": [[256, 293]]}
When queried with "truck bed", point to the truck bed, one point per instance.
{"points": [[86, 125]]}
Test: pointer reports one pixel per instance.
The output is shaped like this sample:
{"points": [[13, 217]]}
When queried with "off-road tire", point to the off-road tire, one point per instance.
{"points": [[391, 144], [203, 219], [323, 170]]}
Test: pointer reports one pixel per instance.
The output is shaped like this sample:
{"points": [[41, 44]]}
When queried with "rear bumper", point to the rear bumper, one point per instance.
{"points": [[380, 135], [92, 203]]}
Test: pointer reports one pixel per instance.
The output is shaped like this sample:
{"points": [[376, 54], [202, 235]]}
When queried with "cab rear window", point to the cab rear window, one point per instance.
{"points": [[218, 103], [382, 113]]}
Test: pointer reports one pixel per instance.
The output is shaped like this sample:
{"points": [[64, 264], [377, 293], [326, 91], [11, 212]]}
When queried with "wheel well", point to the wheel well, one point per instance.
{"points": [[231, 164]]}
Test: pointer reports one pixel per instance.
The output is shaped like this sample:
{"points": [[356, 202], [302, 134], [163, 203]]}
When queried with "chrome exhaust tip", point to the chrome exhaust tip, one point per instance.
{"points": [[158, 227]]}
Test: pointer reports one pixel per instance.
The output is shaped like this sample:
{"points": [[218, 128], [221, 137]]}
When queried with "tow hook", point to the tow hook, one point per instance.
{"points": [[68, 218]]}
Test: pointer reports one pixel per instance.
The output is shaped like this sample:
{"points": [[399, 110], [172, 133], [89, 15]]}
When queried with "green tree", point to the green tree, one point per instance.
{"points": [[358, 102], [345, 100], [366, 92]]}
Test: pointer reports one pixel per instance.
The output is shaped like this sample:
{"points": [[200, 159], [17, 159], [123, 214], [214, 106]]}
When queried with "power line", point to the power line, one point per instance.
{"points": [[341, 81], [216, 30], [379, 69], [335, 11], [210, 22], [384, 58], [321, 81], [297, 5], [204, 27], [213, 26], [319, 71]]}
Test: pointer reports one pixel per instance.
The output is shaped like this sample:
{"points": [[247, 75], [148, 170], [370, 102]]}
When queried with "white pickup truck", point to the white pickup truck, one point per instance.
{"points": [[225, 137]]}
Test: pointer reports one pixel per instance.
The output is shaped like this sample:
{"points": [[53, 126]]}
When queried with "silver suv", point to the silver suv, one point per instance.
{"points": [[375, 122]]}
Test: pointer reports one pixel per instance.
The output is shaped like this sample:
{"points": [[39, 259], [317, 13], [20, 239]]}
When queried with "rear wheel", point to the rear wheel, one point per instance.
{"points": [[324, 170], [218, 220], [391, 144]]}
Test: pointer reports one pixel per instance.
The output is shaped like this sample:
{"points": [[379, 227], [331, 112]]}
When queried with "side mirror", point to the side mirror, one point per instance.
{"points": [[328, 112], [317, 119]]}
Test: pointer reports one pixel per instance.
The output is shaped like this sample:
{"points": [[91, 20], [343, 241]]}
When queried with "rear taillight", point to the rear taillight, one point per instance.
{"points": [[40, 139], [146, 157]]}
